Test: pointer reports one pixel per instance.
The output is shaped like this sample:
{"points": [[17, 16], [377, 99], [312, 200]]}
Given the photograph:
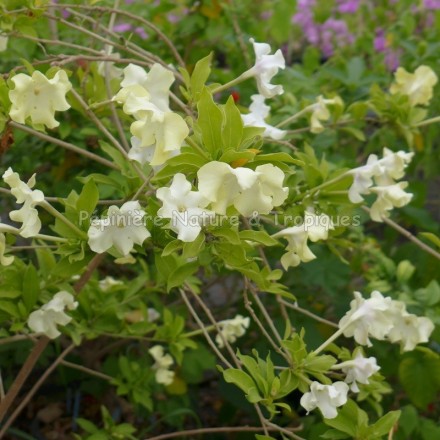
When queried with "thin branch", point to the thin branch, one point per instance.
{"points": [[65, 145], [408, 235], [309, 314], [226, 429], [86, 370], [34, 389]]}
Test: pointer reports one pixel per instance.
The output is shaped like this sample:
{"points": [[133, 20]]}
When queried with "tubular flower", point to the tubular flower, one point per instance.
{"points": [[320, 112], [389, 197], [46, 319], [158, 133], [122, 228], [259, 111], [314, 228], [231, 329], [247, 190], [325, 397], [384, 318], [265, 68], [184, 207], [162, 365], [358, 370], [27, 214], [418, 86], [39, 98]]}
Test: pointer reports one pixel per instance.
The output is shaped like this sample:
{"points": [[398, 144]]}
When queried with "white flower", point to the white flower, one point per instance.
{"points": [[384, 318], [24, 194], [122, 228], [162, 365], [410, 330], [314, 228], [325, 397], [184, 207], [108, 68], [39, 98], [160, 134], [418, 86], [249, 191], [297, 249], [367, 317], [46, 319], [320, 112], [358, 370], [4, 260], [389, 197], [231, 329], [384, 172], [156, 83], [265, 68], [258, 112], [152, 314], [108, 283]]}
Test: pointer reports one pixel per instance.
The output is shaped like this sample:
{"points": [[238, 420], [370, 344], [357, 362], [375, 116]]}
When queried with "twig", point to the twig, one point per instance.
{"points": [[34, 389], [408, 235], [65, 145], [309, 314], [227, 429], [86, 370], [203, 328]]}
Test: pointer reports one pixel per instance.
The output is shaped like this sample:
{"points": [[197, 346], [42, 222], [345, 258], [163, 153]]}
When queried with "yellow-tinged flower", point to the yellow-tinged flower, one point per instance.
{"points": [[4, 260], [320, 112], [418, 86], [38, 98]]}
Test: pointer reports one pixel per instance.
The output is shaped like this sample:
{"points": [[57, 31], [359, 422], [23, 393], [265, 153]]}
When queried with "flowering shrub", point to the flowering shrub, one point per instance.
{"points": [[148, 259]]}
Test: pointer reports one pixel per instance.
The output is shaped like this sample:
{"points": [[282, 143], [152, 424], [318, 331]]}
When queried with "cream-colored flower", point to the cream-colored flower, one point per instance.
{"points": [[314, 228], [358, 370], [297, 248], [410, 330], [249, 191], [162, 365], [155, 84], [4, 260], [160, 134], [108, 283], [27, 214], [265, 68], [325, 397], [231, 329], [258, 112], [368, 317], [122, 228], [45, 319], [320, 112], [108, 68], [388, 197], [418, 86], [184, 207], [38, 98]]}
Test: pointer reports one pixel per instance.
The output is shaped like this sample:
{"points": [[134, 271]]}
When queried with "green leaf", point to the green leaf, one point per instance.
{"points": [[172, 247], [258, 236], [88, 198], [181, 274], [233, 129], [200, 75], [384, 425], [240, 379], [419, 373], [349, 419], [31, 287], [263, 437], [210, 122], [431, 237]]}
